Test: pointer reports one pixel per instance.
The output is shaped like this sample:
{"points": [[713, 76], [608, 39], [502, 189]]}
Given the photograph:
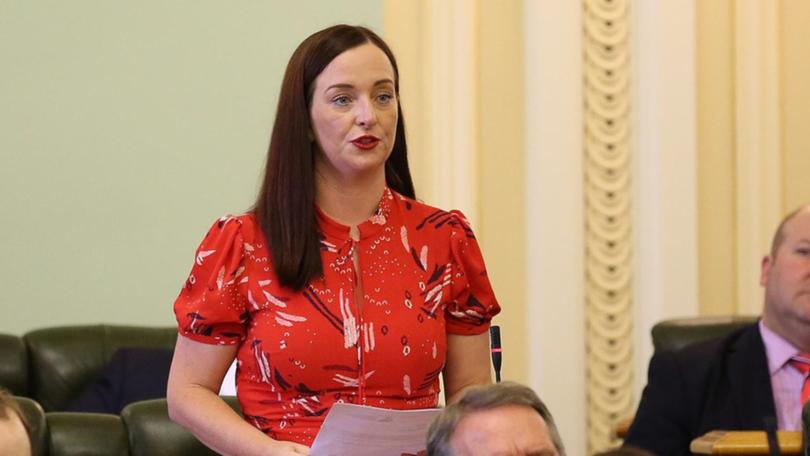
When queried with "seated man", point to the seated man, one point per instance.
{"points": [[505, 418], [735, 382], [14, 440]]}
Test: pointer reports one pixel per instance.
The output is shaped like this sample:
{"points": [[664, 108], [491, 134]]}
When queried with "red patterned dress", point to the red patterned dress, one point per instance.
{"points": [[422, 277]]}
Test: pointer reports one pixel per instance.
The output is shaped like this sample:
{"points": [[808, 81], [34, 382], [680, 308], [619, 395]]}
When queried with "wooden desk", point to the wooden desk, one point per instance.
{"points": [[749, 443]]}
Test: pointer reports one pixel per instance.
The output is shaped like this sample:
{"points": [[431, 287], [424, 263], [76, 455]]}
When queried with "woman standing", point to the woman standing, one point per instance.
{"points": [[339, 286]]}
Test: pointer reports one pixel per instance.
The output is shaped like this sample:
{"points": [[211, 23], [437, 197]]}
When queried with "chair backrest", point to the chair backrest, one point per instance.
{"points": [[153, 433], [63, 361], [86, 434], [37, 427], [679, 332], [13, 364]]}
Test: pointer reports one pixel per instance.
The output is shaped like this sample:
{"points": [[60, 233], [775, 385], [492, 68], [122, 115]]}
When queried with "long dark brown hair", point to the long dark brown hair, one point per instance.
{"points": [[285, 207]]}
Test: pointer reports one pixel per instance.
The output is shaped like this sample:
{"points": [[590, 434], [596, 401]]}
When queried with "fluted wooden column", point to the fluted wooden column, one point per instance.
{"points": [[608, 218]]}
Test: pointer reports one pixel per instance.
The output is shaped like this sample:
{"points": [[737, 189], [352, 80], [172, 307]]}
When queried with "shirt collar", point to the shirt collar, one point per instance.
{"points": [[778, 350], [332, 228]]}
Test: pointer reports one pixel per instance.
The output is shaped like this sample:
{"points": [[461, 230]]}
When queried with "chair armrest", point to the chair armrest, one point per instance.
{"points": [[86, 434], [153, 433], [37, 426]]}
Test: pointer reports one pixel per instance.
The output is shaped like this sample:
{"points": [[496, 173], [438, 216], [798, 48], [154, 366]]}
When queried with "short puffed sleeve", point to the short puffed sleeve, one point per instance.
{"points": [[473, 302], [210, 308]]}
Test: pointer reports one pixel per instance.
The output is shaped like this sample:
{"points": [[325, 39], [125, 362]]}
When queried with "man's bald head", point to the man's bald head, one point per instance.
{"points": [[779, 235]]}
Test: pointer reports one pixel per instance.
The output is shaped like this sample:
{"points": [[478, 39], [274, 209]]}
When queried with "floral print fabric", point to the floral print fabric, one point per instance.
{"points": [[421, 275]]}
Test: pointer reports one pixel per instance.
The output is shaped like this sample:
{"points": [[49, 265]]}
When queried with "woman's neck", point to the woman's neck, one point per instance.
{"points": [[349, 201]]}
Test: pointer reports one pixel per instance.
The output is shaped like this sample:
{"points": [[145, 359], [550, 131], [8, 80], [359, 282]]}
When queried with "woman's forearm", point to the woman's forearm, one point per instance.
{"points": [[467, 364], [196, 373], [213, 421]]}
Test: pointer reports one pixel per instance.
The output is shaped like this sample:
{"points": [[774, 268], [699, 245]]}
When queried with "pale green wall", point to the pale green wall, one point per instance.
{"points": [[126, 129]]}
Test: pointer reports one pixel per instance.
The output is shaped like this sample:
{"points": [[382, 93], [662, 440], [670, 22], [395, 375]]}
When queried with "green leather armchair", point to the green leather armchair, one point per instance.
{"points": [[63, 361], [54, 365], [143, 429], [51, 366]]}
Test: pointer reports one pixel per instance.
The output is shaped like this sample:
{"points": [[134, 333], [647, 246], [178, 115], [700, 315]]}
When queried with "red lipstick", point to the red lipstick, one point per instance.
{"points": [[366, 142]]}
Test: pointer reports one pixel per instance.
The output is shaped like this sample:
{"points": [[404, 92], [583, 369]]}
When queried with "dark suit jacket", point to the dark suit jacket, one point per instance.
{"points": [[718, 384], [133, 374]]}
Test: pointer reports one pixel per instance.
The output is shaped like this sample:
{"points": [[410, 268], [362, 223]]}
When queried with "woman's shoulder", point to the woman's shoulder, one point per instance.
{"points": [[246, 221], [228, 226], [247, 218], [418, 207], [424, 215]]}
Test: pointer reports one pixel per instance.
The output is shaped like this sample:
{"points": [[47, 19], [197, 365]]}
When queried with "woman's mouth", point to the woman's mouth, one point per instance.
{"points": [[366, 142]]}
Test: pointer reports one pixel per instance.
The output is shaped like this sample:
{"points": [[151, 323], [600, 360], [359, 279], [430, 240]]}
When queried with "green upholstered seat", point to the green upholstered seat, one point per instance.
{"points": [[153, 433]]}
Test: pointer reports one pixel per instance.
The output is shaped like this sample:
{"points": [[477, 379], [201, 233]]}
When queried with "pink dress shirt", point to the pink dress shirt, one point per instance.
{"points": [[786, 381]]}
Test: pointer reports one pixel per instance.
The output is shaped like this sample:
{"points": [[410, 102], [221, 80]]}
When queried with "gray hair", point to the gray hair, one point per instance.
{"points": [[486, 398]]}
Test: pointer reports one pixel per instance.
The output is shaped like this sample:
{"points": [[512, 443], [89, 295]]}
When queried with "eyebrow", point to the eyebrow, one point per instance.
{"points": [[349, 86]]}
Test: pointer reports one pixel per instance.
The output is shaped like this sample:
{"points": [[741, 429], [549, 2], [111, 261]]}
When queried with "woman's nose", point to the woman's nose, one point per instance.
{"points": [[366, 115]]}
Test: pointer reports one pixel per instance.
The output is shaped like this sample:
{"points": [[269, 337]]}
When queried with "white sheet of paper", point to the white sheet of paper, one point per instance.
{"points": [[369, 431]]}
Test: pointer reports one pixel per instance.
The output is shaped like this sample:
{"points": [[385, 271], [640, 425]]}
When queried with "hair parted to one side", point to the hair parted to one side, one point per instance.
{"points": [[285, 206], [483, 398]]}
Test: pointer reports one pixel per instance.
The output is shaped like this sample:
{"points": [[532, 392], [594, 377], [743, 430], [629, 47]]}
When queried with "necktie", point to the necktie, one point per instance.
{"points": [[802, 363]]}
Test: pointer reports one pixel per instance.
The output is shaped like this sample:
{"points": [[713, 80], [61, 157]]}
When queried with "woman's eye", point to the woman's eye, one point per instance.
{"points": [[803, 251], [385, 98], [341, 100]]}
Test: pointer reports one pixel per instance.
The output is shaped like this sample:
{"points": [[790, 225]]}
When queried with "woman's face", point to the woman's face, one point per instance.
{"points": [[354, 114]]}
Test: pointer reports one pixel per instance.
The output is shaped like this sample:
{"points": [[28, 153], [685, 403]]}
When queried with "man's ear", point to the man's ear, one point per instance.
{"points": [[765, 266]]}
